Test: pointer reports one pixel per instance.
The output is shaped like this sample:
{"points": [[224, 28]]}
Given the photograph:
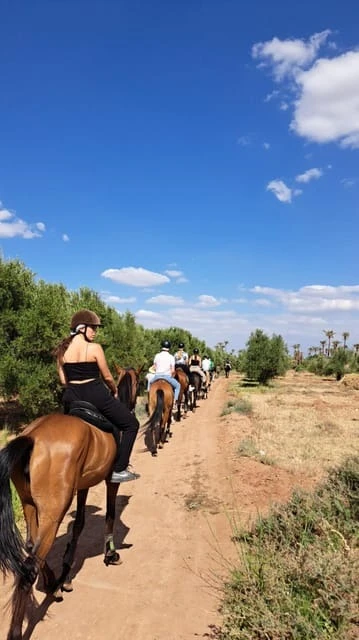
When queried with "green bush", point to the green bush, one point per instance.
{"points": [[265, 357], [298, 577]]}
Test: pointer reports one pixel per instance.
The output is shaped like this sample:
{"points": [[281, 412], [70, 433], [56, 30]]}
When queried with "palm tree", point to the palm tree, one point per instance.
{"points": [[356, 347], [345, 335], [335, 344], [323, 343], [330, 334]]}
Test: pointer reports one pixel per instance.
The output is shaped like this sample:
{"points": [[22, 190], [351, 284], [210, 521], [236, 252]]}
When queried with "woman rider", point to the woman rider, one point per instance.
{"points": [[195, 363], [84, 372]]}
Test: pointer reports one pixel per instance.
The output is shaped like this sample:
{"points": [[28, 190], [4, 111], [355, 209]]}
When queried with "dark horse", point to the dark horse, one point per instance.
{"points": [[55, 457], [128, 385], [160, 405], [227, 368], [183, 379], [196, 382]]}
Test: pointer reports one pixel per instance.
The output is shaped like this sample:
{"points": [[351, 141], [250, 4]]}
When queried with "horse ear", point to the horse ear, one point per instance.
{"points": [[140, 369], [118, 369]]}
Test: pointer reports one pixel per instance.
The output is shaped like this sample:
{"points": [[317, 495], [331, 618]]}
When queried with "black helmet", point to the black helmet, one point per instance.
{"points": [[196, 350], [180, 345], [165, 344], [85, 316]]}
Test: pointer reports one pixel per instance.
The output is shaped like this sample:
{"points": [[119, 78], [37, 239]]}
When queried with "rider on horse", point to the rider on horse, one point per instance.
{"points": [[84, 372], [195, 364], [164, 366]]}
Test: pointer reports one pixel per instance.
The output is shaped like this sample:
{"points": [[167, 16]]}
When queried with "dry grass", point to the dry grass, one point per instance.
{"points": [[303, 423]]}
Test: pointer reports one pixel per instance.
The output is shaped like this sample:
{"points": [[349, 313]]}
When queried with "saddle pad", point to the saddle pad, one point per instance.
{"points": [[86, 411]]}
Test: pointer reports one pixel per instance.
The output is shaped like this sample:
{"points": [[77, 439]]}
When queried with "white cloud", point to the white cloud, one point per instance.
{"points": [[11, 226], [327, 109], [145, 314], [314, 298], [65, 237], [284, 106], [135, 277], [348, 182], [271, 95], [326, 89], [287, 56], [310, 174], [109, 299], [280, 190], [244, 141], [173, 274], [208, 301], [266, 145], [263, 302], [166, 300]]}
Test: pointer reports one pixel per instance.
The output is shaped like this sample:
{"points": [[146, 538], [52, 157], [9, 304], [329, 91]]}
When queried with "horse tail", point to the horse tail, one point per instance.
{"points": [[12, 547], [156, 416]]}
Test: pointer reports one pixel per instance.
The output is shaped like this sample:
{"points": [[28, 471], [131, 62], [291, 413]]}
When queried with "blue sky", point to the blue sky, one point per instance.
{"points": [[194, 162]]}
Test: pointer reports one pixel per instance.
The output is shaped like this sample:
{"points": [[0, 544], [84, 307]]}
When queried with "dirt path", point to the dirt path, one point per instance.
{"points": [[174, 536]]}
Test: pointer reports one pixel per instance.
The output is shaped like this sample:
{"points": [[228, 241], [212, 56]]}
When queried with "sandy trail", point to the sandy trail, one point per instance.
{"points": [[174, 535]]}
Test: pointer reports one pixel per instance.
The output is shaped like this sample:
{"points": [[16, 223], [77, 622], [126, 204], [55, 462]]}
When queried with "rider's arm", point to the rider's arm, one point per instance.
{"points": [[61, 373], [104, 370]]}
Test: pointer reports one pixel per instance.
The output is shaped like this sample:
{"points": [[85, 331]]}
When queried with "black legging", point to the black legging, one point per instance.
{"points": [[114, 410]]}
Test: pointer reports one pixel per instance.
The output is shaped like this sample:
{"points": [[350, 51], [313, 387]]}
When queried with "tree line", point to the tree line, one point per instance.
{"points": [[35, 316]]}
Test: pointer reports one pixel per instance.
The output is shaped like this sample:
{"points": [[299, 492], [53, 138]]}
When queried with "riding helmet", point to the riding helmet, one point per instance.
{"points": [[196, 350], [85, 316], [180, 345], [165, 344]]}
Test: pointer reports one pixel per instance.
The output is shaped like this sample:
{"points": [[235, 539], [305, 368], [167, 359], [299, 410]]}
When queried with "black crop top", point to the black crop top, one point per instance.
{"points": [[194, 362], [81, 370]]}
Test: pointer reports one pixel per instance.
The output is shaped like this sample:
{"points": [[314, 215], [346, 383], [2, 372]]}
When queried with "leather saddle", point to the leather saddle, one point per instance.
{"points": [[88, 412]]}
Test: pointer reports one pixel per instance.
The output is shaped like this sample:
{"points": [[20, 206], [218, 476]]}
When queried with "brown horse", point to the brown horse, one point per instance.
{"points": [[183, 379], [160, 405], [54, 458], [128, 385]]}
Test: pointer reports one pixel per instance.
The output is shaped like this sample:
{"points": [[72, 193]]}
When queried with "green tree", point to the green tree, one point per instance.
{"points": [[345, 335], [265, 357], [330, 334], [337, 364]]}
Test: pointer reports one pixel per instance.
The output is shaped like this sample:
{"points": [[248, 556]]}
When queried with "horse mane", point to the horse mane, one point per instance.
{"points": [[124, 390]]}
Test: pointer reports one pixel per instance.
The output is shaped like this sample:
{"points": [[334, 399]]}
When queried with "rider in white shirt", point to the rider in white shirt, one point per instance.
{"points": [[206, 365], [164, 366]]}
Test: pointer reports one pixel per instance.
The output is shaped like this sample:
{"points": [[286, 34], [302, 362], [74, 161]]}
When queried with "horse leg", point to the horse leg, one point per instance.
{"points": [[178, 412], [49, 519], [111, 555], [166, 431], [185, 401], [30, 516], [78, 525]]}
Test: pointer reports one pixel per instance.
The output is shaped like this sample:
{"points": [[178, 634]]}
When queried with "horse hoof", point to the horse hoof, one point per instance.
{"points": [[112, 558], [154, 454], [160, 446], [67, 587], [57, 595]]}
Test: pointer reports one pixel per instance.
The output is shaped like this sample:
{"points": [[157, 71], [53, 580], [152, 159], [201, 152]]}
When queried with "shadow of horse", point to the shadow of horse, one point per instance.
{"points": [[89, 546]]}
